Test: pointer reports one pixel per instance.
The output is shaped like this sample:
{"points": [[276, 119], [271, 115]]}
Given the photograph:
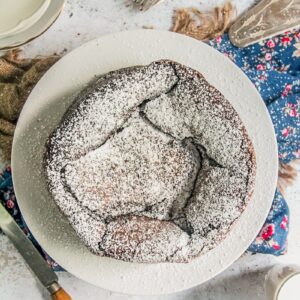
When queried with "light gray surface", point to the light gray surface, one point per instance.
{"points": [[91, 19]]}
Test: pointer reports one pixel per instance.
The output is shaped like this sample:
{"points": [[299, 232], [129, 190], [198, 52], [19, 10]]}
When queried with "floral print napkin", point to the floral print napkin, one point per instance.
{"points": [[274, 68]]}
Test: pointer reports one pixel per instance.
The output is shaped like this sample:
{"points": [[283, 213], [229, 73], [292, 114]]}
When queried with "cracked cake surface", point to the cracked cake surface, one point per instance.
{"points": [[151, 164]]}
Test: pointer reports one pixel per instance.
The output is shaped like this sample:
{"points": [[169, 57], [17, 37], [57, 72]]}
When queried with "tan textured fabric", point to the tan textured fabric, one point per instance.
{"points": [[203, 26], [17, 78], [5, 145], [286, 175]]}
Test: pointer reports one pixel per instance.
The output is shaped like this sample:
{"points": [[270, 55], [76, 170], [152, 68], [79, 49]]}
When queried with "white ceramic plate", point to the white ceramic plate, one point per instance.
{"points": [[44, 109], [34, 26]]}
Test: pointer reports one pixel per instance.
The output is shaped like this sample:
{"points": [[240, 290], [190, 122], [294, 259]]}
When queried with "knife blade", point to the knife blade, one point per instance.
{"points": [[34, 260], [264, 20]]}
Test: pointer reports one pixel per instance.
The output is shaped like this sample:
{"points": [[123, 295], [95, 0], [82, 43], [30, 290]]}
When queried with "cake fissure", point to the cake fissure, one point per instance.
{"points": [[151, 164]]}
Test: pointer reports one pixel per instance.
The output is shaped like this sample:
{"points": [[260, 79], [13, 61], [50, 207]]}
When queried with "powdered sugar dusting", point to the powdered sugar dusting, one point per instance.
{"points": [[151, 164], [142, 239], [128, 175]]}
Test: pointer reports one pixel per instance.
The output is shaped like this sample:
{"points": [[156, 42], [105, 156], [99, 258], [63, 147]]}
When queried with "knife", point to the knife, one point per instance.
{"points": [[32, 257]]}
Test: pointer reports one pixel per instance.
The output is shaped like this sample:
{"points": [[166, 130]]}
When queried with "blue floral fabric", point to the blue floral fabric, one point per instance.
{"points": [[274, 68]]}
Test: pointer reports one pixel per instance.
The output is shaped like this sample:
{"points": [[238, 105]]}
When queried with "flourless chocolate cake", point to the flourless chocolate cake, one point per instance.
{"points": [[151, 164]]}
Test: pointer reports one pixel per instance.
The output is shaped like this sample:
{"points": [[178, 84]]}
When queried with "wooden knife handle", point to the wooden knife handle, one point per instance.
{"points": [[61, 294]]}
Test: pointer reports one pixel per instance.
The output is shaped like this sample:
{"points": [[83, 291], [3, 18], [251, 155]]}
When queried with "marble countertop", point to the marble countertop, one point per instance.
{"points": [[82, 21]]}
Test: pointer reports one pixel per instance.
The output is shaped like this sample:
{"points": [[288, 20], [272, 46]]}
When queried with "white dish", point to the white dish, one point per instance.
{"points": [[42, 113], [22, 22]]}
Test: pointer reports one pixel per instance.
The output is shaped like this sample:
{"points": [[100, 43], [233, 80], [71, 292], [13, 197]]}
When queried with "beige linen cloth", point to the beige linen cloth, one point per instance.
{"points": [[17, 79]]}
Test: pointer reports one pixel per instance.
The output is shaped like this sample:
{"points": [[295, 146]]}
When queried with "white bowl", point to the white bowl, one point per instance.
{"points": [[27, 20]]}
